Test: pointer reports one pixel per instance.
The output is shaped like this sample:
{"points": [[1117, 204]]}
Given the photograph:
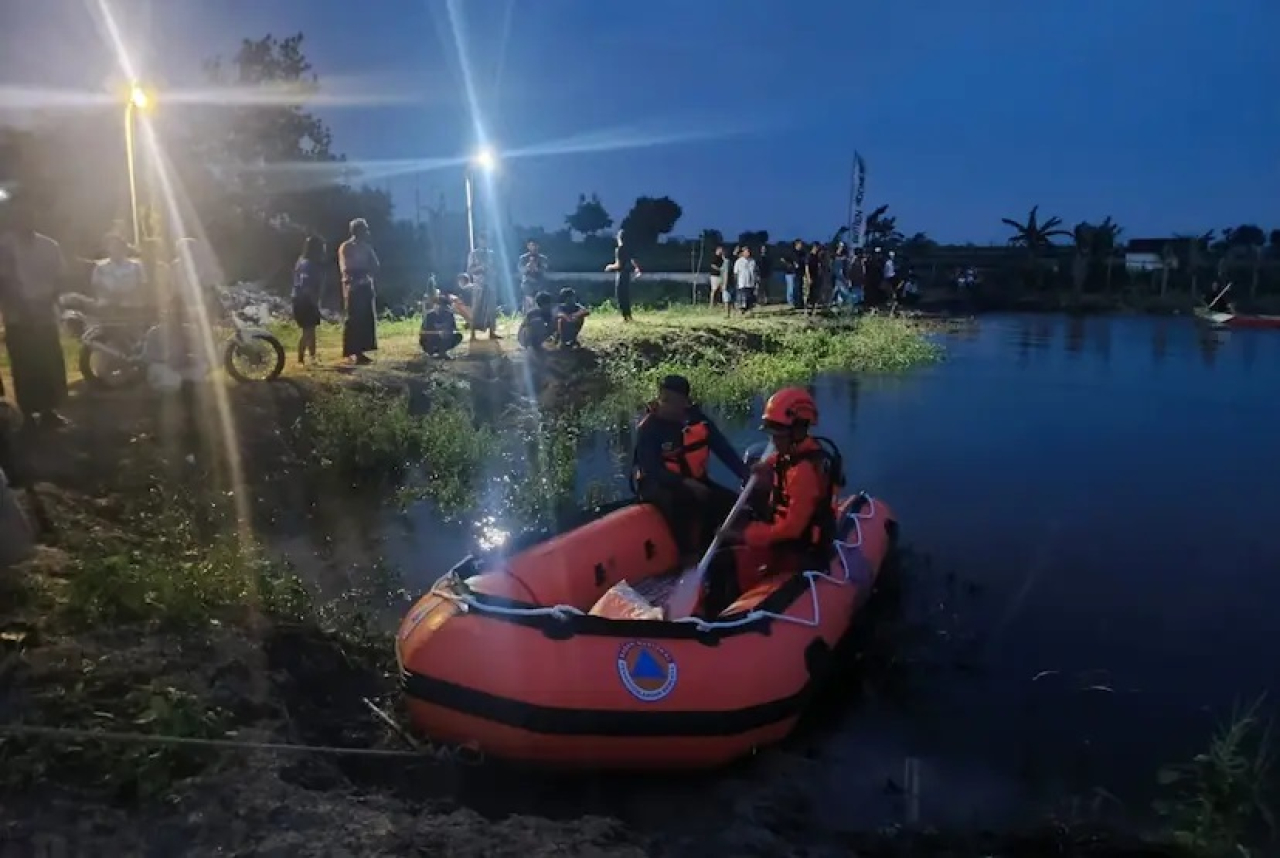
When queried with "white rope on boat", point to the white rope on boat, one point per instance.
{"points": [[467, 602], [813, 576]]}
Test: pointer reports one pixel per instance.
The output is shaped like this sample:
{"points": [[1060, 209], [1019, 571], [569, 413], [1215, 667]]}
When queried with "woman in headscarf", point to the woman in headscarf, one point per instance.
{"points": [[359, 265]]}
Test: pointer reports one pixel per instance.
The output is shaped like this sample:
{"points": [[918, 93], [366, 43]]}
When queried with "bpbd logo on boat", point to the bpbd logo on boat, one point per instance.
{"points": [[647, 670]]}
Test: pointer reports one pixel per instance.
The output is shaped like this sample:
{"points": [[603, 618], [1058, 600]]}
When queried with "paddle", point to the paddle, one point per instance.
{"points": [[685, 596], [1225, 290]]}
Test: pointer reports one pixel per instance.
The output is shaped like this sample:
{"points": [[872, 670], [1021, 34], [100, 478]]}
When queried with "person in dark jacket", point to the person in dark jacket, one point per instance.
{"points": [[815, 275], [670, 466], [794, 267], [764, 266], [538, 325], [439, 334]]}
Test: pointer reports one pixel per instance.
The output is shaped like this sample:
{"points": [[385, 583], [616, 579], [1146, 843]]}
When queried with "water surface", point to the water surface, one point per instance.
{"points": [[1097, 501]]}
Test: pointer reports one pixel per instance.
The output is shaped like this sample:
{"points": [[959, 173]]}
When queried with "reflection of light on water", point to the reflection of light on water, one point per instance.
{"points": [[491, 535]]}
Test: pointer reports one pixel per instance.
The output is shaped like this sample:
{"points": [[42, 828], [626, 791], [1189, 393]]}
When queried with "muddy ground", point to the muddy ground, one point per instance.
{"points": [[305, 683]]}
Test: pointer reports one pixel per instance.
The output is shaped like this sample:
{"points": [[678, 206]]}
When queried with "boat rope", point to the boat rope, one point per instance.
{"points": [[855, 517], [466, 602], [468, 755]]}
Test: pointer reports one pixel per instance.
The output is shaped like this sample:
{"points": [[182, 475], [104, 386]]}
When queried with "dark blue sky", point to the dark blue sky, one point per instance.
{"points": [[1161, 113]]}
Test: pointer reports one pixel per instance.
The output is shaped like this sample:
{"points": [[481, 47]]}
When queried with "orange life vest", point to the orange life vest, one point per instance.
{"points": [[820, 531], [691, 458]]}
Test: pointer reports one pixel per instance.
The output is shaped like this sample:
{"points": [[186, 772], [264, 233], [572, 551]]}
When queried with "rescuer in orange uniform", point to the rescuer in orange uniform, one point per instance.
{"points": [[674, 445], [802, 477]]}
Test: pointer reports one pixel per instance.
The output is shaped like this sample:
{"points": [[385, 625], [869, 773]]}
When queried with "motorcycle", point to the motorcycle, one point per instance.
{"points": [[118, 352]]}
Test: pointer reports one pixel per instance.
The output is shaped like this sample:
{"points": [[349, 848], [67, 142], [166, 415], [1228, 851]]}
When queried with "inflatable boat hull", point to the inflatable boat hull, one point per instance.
{"points": [[510, 661]]}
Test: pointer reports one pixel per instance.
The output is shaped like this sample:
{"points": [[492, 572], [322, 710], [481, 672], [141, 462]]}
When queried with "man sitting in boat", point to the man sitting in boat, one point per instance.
{"points": [[674, 445], [803, 477]]}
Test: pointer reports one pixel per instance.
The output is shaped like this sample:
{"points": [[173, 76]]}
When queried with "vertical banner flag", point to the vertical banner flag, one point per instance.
{"points": [[858, 192]]}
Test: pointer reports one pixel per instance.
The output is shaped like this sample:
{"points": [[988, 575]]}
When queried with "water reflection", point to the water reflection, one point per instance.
{"points": [[1074, 341], [1032, 336], [1211, 342], [1159, 342], [1102, 340]]}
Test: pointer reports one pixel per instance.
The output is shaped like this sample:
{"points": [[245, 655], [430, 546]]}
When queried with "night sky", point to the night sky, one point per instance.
{"points": [[1160, 113]]}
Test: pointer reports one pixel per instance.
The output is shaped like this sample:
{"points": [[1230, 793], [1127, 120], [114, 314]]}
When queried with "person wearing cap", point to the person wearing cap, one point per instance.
{"points": [[674, 444], [570, 316]]}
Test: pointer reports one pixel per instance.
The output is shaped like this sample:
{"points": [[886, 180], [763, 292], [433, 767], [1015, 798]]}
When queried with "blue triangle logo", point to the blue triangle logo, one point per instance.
{"points": [[647, 667]]}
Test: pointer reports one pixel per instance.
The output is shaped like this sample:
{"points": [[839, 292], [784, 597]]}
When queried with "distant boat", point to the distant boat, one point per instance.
{"points": [[1237, 320]]}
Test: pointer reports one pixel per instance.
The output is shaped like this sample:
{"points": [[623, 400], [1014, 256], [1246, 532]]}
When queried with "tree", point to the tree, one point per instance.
{"points": [[1035, 236], [650, 219], [754, 239], [266, 173], [589, 217], [1093, 242], [881, 229], [1245, 243], [918, 243]]}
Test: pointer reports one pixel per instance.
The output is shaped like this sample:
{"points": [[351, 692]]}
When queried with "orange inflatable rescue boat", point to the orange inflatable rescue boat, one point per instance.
{"points": [[522, 659]]}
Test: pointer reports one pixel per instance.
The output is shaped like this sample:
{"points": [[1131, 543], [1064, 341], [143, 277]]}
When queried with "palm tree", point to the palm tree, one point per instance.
{"points": [[1035, 236], [1094, 242], [881, 229]]}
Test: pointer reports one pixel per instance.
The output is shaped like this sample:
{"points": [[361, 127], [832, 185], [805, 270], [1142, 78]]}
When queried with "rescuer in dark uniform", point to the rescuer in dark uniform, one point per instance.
{"points": [[674, 445]]}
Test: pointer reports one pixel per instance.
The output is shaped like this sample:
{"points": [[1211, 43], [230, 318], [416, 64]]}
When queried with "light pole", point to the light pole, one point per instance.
{"points": [[486, 162], [138, 100]]}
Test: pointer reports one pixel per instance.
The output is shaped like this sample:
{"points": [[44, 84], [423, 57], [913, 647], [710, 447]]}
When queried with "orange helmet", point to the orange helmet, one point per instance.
{"points": [[790, 404]]}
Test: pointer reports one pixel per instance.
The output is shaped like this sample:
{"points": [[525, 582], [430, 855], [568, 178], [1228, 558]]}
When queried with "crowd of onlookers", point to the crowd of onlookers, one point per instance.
{"points": [[815, 275]]}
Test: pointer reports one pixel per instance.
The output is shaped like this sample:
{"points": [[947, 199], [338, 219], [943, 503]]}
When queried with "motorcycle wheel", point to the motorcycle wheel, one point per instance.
{"points": [[264, 352], [104, 372]]}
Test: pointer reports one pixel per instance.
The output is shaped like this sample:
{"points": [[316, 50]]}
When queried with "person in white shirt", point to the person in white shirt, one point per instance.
{"points": [[119, 280], [747, 276]]}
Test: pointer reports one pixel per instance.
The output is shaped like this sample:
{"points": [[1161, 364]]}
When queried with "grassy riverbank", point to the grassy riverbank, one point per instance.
{"points": [[155, 609]]}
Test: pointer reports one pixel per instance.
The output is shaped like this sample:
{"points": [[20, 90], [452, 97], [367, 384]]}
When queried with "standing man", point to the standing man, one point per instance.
{"points": [[484, 289], [626, 268], [31, 275], [533, 273], [794, 266], [747, 276], [359, 265], [764, 270], [718, 273]]}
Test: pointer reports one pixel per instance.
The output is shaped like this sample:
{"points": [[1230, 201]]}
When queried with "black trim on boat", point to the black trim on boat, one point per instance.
{"points": [[557, 721]]}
